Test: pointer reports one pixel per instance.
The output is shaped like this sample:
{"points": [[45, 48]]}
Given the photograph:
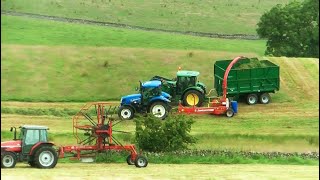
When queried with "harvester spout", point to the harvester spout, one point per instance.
{"points": [[225, 77]]}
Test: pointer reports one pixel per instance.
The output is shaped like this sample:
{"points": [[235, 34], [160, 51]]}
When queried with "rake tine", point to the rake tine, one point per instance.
{"points": [[122, 131]]}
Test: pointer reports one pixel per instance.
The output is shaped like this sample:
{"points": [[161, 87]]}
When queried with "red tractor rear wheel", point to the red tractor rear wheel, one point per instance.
{"points": [[45, 157]]}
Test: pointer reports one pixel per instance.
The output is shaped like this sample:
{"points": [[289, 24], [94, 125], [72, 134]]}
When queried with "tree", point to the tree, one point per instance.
{"points": [[172, 134], [292, 30]]}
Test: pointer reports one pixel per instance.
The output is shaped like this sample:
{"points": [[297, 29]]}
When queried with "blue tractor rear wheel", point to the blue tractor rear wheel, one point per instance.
{"points": [[159, 109]]}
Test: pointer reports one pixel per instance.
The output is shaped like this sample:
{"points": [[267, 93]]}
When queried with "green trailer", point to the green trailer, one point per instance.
{"points": [[249, 78]]}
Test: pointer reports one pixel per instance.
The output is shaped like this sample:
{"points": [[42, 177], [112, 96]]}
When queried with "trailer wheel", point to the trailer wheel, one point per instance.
{"points": [[45, 157], [125, 113], [264, 98], [8, 160], [252, 99], [193, 98], [229, 113], [129, 160], [159, 109], [141, 161]]}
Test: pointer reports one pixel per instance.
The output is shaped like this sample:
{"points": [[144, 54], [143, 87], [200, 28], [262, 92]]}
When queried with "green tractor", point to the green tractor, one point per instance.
{"points": [[184, 87]]}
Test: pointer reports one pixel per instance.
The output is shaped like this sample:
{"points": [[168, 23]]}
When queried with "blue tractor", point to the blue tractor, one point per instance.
{"points": [[151, 99]]}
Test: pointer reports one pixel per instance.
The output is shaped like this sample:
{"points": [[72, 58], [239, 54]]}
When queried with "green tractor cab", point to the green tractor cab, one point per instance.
{"points": [[184, 87]]}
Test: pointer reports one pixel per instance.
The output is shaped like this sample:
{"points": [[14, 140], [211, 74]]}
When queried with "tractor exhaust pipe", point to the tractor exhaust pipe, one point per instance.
{"points": [[15, 132]]}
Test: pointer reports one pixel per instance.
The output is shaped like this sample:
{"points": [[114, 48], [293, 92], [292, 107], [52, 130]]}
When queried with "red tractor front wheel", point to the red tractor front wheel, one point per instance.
{"points": [[8, 160]]}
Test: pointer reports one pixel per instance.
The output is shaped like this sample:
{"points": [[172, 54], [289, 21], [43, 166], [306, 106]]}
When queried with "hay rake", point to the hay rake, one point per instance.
{"points": [[93, 130]]}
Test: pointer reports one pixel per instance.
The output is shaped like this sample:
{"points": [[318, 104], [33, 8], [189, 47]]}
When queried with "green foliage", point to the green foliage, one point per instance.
{"points": [[216, 157], [233, 157], [169, 135], [291, 30], [112, 157]]}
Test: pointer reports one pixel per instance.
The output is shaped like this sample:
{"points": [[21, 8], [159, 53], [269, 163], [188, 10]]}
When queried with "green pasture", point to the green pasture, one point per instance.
{"points": [[21, 30], [218, 16]]}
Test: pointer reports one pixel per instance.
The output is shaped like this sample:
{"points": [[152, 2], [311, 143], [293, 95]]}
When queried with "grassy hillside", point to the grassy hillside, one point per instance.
{"points": [[21, 30], [51, 61], [218, 16], [71, 73]]}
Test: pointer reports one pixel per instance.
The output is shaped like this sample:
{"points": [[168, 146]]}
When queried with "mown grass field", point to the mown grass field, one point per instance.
{"points": [[218, 16], [163, 171], [290, 128]]}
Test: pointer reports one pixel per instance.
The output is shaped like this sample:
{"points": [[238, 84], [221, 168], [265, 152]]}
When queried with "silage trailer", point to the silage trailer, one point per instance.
{"points": [[249, 78]]}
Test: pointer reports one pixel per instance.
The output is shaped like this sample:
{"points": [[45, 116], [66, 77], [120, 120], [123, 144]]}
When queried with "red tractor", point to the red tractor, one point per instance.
{"points": [[93, 130], [32, 146]]}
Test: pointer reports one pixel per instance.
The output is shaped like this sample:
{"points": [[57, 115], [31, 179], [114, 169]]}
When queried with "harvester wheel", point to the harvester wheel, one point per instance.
{"points": [[129, 160], [8, 160], [141, 161], [229, 113], [264, 98], [45, 157], [159, 109], [125, 113], [252, 99], [193, 98]]}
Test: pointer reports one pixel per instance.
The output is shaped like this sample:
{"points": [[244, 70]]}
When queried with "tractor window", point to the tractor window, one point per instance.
{"points": [[43, 135], [156, 91], [32, 137], [192, 81]]}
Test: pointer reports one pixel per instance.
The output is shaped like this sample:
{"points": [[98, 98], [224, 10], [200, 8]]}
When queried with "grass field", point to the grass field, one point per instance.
{"points": [[256, 128], [51, 66], [20, 30], [218, 16], [163, 171], [50, 69], [54, 72]]}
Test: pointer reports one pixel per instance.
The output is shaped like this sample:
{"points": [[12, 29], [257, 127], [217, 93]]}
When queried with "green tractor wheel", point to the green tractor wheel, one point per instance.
{"points": [[193, 98]]}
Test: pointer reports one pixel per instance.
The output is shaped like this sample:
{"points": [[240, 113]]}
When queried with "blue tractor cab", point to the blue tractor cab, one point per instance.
{"points": [[149, 100]]}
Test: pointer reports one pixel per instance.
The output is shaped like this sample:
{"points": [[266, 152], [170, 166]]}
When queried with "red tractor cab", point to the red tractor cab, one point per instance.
{"points": [[31, 146]]}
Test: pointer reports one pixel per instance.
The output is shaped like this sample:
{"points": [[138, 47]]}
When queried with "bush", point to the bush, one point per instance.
{"points": [[172, 134]]}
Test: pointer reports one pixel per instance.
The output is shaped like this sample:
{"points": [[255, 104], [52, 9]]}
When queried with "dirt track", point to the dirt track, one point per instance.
{"points": [[162, 171]]}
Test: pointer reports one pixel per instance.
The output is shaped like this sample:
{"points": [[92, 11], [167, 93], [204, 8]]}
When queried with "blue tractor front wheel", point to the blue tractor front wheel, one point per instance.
{"points": [[125, 113]]}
